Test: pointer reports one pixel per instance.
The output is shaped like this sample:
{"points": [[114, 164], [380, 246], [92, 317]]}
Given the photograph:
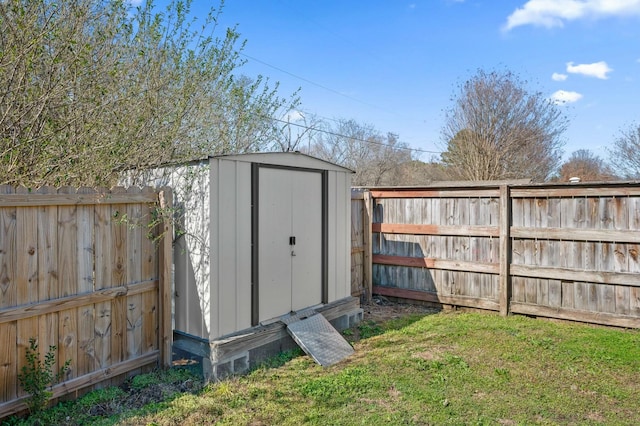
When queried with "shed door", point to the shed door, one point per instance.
{"points": [[290, 241]]}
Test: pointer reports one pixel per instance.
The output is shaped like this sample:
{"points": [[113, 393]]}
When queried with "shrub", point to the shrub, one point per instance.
{"points": [[37, 377]]}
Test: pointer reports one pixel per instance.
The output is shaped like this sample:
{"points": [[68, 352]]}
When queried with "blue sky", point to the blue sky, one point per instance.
{"points": [[397, 64]]}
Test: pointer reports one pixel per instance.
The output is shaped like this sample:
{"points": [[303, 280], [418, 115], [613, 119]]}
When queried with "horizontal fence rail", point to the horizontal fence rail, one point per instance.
{"points": [[87, 271], [560, 251]]}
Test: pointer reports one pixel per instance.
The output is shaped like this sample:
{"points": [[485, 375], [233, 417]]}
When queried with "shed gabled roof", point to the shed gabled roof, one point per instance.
{"points": [[289, 159]]}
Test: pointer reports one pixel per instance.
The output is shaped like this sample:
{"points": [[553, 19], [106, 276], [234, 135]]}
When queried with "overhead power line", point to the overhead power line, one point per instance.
{"points": [[328, 132], [337, 93], [312, 82]]}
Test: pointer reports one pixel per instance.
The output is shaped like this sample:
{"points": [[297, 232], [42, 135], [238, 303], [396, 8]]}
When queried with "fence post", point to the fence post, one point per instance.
{"points": [[367, 258], [165, 264], [505, 249]]}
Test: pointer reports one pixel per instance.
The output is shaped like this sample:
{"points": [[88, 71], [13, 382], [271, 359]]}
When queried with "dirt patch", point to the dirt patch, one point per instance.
{"points": [[134, 398], [382, 309]]}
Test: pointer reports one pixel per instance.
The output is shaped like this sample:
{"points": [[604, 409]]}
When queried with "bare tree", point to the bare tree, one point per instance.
{"points": [[625, 153], [90, 87], [418, 172], [585, 165], [376, 158], [298, 131], [498, 130]]}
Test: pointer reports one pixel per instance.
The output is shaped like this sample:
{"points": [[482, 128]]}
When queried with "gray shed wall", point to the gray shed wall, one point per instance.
{"points": [[230, 233]]}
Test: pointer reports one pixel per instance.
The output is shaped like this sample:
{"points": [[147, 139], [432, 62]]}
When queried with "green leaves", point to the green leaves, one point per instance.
{"points": [[37, 376], [89, 88]]}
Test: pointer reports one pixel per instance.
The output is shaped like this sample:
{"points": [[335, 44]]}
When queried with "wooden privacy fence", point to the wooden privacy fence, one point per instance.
{"points": [[88, 272], [563, 251], [360, 245]]}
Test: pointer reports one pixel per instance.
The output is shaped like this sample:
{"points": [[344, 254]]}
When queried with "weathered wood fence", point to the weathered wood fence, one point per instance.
{"points": [[88, 272], [560, 251], [360, 245]]}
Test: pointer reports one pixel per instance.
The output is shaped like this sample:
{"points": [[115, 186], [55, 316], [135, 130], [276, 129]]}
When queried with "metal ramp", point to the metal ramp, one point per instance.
{"points": [[317, 337]]}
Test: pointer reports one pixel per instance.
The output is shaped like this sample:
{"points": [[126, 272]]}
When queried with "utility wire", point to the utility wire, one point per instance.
{"points": [[312, 82], [328, 132], [340, 94], [337, 93]]}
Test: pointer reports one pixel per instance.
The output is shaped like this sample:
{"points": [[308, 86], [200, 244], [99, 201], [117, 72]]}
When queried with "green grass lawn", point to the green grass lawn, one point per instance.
{"points": [[446, 368]]}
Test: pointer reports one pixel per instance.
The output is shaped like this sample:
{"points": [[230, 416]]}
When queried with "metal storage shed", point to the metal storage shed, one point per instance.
{"points": [[274, 240]]}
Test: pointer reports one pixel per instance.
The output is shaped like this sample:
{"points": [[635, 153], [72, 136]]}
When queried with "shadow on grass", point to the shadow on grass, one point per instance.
{"points": [[364, 330], [406, 321], [279, 360], [381, 319]]}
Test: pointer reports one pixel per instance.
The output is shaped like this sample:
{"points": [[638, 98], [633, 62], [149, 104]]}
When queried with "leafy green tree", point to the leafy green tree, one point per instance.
{"points": [[496, 129], [91, 87]]}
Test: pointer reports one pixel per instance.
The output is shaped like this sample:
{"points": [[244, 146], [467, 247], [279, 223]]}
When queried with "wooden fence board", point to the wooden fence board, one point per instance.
{"points": [[552, 219], [577, 315], [431, 263], [634, 261], [92, 379], [86, 314], [67, 341], [464, 230], [165, 267], [528, 250], [149, 268], [103, 262], [452, 286], [589, 190], [26, 278], [357, 246], [518, 284], [48, 283], [76, 301], [436, 298], [118, 278], [39, 199], [474, 289], [134, 259], [8, 297], [604, 298], [574, 234], [443, 284], [435, 193], [8, 363], [8, 257], [503, 291], [68, 269]]}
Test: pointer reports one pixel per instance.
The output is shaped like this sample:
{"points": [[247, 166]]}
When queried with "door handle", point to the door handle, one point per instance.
{"points": [[292, 241]]}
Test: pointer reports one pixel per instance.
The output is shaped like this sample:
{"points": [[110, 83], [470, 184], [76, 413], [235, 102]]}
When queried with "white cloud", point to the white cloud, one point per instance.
{"points": [[596, 69], [554, 13], [558, 77], [293, 116], [565, 97]]}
